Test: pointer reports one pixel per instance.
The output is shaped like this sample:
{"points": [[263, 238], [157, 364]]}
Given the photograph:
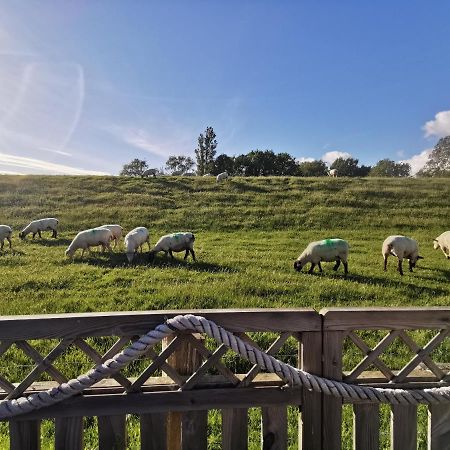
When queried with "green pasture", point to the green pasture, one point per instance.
{"points": [[248, 233]]}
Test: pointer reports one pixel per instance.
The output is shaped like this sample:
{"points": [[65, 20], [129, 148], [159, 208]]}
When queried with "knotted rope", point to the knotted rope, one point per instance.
{"points": [[291, 375]]}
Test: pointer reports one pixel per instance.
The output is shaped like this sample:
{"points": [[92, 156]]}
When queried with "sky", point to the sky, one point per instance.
{"points": [[87, 86]]}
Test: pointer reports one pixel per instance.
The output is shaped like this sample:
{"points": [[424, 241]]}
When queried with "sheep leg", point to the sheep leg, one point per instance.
{"points": [[186, 254], [54, 234], [193, 254], [1, 246], [82, 253], [311, 268], [34, 234], [410, 266], [400, 268], [338, 263], [320, 267], [345, 268], [39, 233], [171, 254], [10, 243], [385, 262]]}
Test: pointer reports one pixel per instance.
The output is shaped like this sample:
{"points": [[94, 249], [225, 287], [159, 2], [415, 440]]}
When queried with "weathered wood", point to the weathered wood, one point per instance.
{"points": [[24, 435], [385, 318], [274, 428], [153, 431], [310, 420], [69, 433], [138, 322], [332, 407], [235, 429], [111, 432], [194, 430], [439, 427], [403, 427], [366, 428]]}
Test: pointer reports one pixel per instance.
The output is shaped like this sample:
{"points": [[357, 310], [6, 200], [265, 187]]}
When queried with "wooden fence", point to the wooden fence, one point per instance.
{"points": [[174, 386]]}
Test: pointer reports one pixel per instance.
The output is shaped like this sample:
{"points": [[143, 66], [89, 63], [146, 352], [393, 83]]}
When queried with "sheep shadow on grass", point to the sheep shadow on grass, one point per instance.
{"points": [[51, 242], [198, 266]]}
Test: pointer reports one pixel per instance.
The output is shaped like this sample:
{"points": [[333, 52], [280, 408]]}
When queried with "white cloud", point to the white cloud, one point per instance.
{"points": [[330, 157], [418, 161], [305, 159], [37, 166], [440, 126]]}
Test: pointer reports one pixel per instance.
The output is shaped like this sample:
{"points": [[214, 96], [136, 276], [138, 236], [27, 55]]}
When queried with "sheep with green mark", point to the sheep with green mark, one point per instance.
{"points": [[402, 247], [90, 238], [5, 233], [36, 226], [134, 240], [327, 250], [443, 242], [176, 242]]}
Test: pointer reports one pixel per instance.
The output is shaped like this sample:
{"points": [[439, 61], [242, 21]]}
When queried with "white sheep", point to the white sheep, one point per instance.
{"points": [[176, 242], [443, 241], [149, 173], [401, 247], [134, 240], [37, 226], [222, 176], [116, 231], [5, 233], [333, 173], [90, 238], [327, 250]]}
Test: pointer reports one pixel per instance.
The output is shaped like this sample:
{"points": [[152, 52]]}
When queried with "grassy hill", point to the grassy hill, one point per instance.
{"points": [[248, 233]]}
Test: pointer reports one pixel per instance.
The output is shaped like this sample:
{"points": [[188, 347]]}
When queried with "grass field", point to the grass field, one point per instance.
{"points": [[248, 233]]}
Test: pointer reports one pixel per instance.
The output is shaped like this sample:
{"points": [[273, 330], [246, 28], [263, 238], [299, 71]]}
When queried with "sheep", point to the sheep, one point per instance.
{"points": [[37, 226], [5, 233], [222, 176], [326, 250], [176, 242], [401, 247], [333, 173], [149, 172], [443, 241], [116, 231], [90, 238], [134, 240]]}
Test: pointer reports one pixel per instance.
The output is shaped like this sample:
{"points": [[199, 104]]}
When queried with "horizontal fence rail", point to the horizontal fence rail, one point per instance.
{"points": [[174, 384]]}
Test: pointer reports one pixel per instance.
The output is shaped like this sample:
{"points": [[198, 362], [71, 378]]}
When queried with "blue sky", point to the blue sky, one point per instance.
{"points": [[86, 86]]}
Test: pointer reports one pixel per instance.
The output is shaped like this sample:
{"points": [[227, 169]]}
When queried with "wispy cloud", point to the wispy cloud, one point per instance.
{"points": [[55, 151], [305, 159], [330, 157], [418, 161], [440, 126], [37, 166]]}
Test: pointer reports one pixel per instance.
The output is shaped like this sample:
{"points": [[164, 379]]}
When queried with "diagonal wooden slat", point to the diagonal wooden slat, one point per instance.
{"points": [[370, 358], [97, 358], [224, 370], [422, 355], [159, 362], [366, 350], [4, 345], [272, 350], [43, 365], [6, 385], [196, 377]]}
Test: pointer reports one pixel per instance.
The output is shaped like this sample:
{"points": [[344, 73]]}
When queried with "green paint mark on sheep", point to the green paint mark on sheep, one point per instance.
{"points": [[328, 242]]}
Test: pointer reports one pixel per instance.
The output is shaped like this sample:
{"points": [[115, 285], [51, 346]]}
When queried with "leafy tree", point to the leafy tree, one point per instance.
{"points": [[285, 165], [179, 165], [206, 151], [223, 163], [134, 168], [363, 171], [348, 167], [312, 169], [389, 168], [438, 163]]}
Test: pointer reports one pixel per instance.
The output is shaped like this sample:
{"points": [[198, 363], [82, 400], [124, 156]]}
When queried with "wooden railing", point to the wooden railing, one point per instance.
{"points": [[174, 386]]}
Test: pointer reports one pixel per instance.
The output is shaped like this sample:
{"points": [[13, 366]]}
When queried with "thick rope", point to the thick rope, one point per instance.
{"points": [[292, 376]]}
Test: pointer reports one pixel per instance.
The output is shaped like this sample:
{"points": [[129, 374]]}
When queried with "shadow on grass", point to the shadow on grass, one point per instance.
{"points": [[51, 242], [11, 252], [247, 187]]}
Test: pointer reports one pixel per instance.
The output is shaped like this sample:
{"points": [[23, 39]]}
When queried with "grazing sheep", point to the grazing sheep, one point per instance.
{"points": [[401, 247], [116, 231], [333, 173], [443, 241], [40, 225], [5, 233], [90, 238], [222, 176], [326, 250], [176, 242], [134, 240]]}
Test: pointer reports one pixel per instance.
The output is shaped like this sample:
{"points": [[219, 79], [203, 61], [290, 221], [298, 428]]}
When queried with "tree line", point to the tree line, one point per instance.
{"points": [[268, 163]]}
